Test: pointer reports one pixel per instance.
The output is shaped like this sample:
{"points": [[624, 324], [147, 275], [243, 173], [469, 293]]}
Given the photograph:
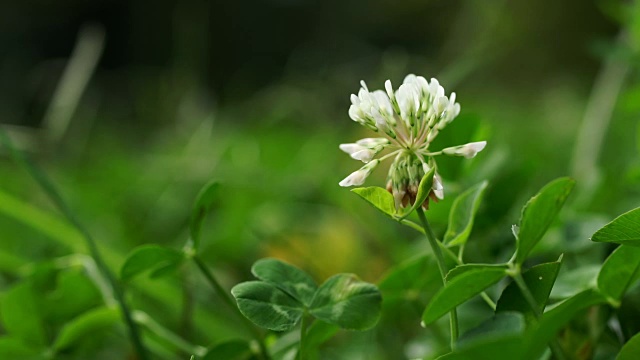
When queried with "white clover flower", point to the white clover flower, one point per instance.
{"points": [[410, 118], [467, 150], [358, 177]]}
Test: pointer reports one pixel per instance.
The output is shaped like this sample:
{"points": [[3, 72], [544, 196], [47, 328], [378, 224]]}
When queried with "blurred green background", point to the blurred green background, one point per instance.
{"points": [[131, 107]]}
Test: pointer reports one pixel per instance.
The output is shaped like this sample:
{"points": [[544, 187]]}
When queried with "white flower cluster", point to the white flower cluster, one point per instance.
{"points": [[409, 118]]}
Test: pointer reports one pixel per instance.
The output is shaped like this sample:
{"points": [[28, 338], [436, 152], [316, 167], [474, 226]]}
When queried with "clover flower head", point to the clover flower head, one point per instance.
{"points": [[409, 118]]}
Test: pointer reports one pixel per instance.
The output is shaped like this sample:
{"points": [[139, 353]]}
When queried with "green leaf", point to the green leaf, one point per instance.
{"points": [[539, 280], [504, 323], [12, 348], [318, 333], [631, 349], [424, 189], [461, 288], [625, 229], [461, 216], [150, 257], [75, 293], [539, 213], [86, 325], [203, 204], [553, 320], [461, 269], [21, 315], [348, 302], [378, 197], [230, 350], [500, 347], [618, 272], [267, 306], [411, 278], [287, 278], [571, 282]]}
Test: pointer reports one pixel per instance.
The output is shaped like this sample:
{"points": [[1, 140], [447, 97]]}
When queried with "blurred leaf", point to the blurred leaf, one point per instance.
{"points": [[461, 269], [553, 320], [539, 280], [378, 197], [267, 306], [410, 278], [539, 213], [12, 348], [86, 324], [574, 281], [348, 302], [625, 229], [618, 272], [503, 323], [21, 315], [462, 213], [287, 278], [499, 347], [203, 204], [461, 288], [149, 257], [231, 350], [318, 333], [75, 293], [631, 349], [47, 224]]}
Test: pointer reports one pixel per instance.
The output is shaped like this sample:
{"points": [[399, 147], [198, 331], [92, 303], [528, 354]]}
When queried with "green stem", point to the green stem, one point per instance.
{"points": [[49, 188], [145, 320], [556, 349], [231, 303], [303, 338], [451, 255], [435, 247]]}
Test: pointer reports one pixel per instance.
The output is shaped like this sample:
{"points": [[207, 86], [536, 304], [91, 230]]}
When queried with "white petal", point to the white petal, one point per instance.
{"points": [[351, 148], [410, 79], [440, 104], [358, 177], [372, 142], [383, 102], [364, 155], [437, 187], [389, 88], [355, 100], [364, 85], [467, 150], [355, 113], [354, 179]]}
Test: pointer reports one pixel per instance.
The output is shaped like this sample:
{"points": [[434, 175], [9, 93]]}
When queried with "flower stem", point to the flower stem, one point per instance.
{"points": [[231, 303], [433, 242], [303, 337], [54, 195], [556, 349], [452, 255]]}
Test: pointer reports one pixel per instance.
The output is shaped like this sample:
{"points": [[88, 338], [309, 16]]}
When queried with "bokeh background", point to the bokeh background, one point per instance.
{"points": [[132, 106]]}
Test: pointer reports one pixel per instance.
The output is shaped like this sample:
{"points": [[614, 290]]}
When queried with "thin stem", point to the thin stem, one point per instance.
{"points": [[303, 337], [54, 195], [597, 117], [231, 303], [145, 320], [433, 242], [528, 296], [451, 255], [537, 313]]}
